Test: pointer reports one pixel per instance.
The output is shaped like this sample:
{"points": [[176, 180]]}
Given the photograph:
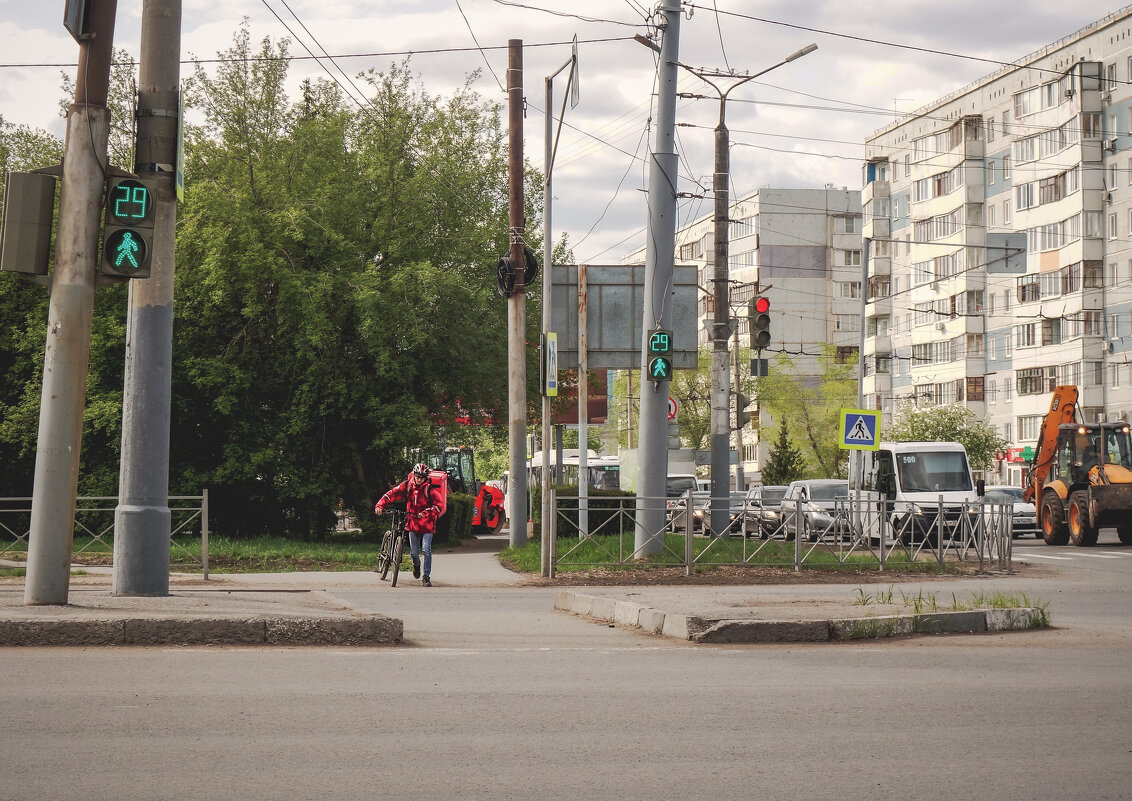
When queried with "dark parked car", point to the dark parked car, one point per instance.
{"points": [[763, 512]]}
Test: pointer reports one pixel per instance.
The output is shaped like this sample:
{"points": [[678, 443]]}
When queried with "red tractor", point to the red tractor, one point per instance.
{"points": [[488, 513]]}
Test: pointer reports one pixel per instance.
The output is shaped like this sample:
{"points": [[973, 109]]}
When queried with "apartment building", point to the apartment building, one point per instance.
{"points": [[802, 249], [998, 222]]}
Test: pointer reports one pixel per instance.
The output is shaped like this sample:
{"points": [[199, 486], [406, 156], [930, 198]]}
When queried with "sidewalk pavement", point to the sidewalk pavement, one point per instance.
{"points": [[302, 609]]}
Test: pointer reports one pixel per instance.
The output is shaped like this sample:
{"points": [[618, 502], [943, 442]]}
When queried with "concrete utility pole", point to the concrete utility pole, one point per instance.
{"points": [[721, 319], [652, 442], [142, 519], [517, 303], [69, 314]]}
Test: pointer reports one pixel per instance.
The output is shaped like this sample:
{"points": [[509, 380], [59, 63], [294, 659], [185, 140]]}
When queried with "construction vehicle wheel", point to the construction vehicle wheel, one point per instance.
{"points": [[1054, 531], [1081, 532], [1125, 534]]}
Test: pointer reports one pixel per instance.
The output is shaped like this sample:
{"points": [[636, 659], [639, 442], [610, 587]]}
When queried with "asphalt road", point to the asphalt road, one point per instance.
{"points": [[496, 696]]}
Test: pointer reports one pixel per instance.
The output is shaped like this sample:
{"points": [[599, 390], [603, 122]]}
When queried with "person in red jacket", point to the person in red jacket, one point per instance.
{"points": [[422, 507]]}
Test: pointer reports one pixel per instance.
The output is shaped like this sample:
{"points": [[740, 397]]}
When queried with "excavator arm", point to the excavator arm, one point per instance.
{"points": [[1062, 409]]}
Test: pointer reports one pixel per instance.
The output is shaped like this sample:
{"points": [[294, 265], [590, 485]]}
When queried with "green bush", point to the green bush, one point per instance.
{"points": [[456, 524], [603, 505]]}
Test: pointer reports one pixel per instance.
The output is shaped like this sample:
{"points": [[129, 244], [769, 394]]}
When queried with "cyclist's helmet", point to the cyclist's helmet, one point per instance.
{"points": [[420, 470]]}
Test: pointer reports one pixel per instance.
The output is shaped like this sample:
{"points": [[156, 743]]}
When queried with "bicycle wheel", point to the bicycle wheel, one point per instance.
{"points": [[386, 556], [398, 547]]}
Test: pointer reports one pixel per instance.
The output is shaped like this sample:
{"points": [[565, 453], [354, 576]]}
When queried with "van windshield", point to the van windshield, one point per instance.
{"points": [[934, 471], [678, 485]]}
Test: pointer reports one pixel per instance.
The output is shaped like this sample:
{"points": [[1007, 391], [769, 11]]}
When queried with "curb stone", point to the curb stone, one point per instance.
{"points": [[722, 630]]}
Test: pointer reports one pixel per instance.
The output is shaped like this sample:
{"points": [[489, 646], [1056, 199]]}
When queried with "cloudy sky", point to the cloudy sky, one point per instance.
{"points": [[801, 125]]}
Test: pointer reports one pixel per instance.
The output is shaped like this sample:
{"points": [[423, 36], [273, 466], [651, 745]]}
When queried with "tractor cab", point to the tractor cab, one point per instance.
{"points": [[1094, 454]]}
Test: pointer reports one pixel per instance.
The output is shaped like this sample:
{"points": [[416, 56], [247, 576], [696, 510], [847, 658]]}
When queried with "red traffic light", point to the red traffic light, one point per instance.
{"points": [[762, 304]]}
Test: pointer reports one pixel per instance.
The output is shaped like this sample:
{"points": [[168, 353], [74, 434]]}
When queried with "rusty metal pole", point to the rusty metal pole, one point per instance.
{"points": [[517, 303], [69, 316]]}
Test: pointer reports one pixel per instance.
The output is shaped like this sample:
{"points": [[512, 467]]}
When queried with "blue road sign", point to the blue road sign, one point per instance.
{"points": [[860, 429]]}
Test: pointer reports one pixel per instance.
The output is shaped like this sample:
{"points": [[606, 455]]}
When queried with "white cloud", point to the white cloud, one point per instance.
{"points": [[773, 144]]}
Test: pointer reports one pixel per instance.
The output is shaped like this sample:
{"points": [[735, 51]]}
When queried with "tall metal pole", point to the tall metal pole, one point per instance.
{"points": [[721, 319], [652, 442], [721, 331], [69, 315], [549, 148], [547, 257], [740, 478], [517, 304], [142, 519]]}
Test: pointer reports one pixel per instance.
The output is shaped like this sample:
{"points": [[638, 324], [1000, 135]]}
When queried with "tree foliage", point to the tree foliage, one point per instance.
{"points": [[811, 407], [785, 463], [951, 423], [335, 299]]}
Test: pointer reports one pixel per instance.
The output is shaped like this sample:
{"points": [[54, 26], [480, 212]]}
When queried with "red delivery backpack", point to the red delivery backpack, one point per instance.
{"points": [[438, 480]]}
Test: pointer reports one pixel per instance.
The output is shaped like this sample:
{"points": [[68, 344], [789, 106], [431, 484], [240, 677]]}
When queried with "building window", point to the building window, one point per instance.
{"points": [[848, 290], [990, 216], [1026, 336], [846, 322], [1028, 288], [851, 258], [1030, 381], [1006, 168], [975, 388], [990, 173], [1029, 426], [1112, 226], [1006, 218]]}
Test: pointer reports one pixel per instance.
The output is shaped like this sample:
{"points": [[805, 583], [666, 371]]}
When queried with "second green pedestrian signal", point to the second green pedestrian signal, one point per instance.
{"points": [[660, 355], [127, 241]]}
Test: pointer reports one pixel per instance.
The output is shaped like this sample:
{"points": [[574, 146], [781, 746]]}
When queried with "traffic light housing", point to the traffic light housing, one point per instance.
{"points": [[742, 417], [660, 355], [760, 322], [127, 238], [29, 215]]}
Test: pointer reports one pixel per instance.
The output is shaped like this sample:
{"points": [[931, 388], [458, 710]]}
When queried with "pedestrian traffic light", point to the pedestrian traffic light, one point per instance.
{"points": [[660, 355], [759, 313], [127, 241]]}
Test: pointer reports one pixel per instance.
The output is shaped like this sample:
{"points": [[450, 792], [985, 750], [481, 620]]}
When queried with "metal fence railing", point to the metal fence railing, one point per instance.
{"points": [[860, 533], [94, 528]]}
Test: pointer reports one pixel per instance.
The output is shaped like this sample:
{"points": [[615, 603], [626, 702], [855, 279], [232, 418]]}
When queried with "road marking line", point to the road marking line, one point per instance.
{"points": [[1100, 555], [1044, 556]]}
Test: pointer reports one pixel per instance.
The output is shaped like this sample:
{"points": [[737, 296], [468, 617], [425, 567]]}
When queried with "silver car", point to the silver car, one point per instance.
{"points": [[1025, 518], [811, 504]]}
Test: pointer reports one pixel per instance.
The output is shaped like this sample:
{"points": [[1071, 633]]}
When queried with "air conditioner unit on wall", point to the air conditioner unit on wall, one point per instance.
{"points": [[941, 326], [1106, 96], [1109, 145]]}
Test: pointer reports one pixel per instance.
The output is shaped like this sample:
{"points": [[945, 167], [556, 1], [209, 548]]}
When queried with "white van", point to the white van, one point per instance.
{"points": [[915, 480]]}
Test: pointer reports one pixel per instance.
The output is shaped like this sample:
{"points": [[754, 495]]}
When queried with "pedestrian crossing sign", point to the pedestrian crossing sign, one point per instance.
{"points": [[860, 429]]}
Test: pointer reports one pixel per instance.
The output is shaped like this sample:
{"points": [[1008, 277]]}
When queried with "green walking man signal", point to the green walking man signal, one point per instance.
{"points": [[660, 355], [126, 245]]}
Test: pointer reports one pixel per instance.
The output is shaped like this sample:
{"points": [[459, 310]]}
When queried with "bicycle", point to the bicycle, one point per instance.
{"points": [[392, 547]]}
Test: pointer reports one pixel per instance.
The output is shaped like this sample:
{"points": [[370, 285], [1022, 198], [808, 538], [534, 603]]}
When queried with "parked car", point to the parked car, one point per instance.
{"points": [[763, 512], [701, 511], [1025, 515], [815, 500]]}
